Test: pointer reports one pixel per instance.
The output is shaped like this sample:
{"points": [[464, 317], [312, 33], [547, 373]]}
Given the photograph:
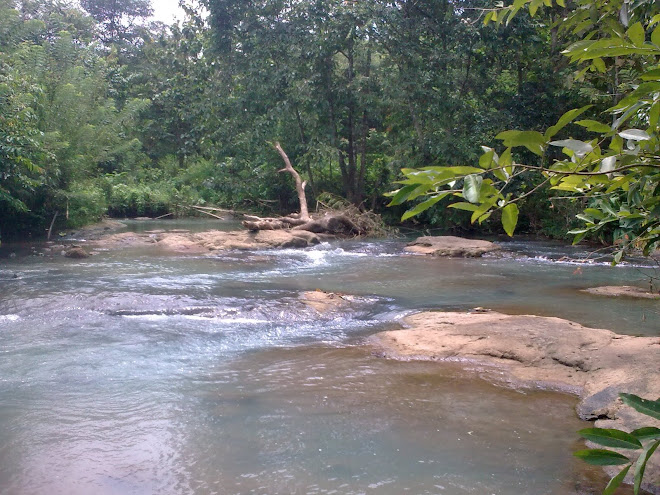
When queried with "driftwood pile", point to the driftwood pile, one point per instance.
{"points": [[343, 220]]}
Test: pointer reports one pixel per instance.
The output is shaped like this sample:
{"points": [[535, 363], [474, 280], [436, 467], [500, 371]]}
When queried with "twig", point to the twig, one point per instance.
{"points": [[206, 212]]}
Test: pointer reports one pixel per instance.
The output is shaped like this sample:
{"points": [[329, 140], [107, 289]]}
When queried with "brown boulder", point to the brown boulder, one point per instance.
{"points": [[451, 246]]}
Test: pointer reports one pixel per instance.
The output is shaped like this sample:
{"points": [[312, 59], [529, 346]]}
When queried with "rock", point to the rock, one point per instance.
{"points": [[324, 302], [214, 240], [76, 252], [536, 351], [622, 291], [451, 246]]}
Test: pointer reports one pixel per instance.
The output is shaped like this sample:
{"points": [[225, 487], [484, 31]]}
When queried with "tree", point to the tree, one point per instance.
{"points": [[117, 17], [617, 171]]}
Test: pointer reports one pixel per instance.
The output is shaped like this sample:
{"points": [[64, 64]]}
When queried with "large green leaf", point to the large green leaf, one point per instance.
{"points": [[593, 126], [401, 195], [611, 438], [532, 140], [647, 433], [645, 406], [463, 206], [424, 205], [640, 465], [564, 120], [636, 34], [510, 218], [472, 187], [602, 457], [616, 481]]}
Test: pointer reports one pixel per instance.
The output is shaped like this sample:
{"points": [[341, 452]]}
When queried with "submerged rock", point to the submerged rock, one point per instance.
{"points": [[451, 246], [622, 291], [76, 252], [323, 302], [553, 353]]}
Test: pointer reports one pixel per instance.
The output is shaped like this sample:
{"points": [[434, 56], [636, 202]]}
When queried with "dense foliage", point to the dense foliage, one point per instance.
{"points": [[610, 161], [102, 112]]}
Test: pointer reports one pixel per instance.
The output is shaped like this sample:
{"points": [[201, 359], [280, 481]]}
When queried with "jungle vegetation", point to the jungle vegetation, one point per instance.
{"points": [[105, 113]]}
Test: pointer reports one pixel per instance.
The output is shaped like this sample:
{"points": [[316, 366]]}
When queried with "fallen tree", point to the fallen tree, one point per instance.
{"points": [[336, 217]]}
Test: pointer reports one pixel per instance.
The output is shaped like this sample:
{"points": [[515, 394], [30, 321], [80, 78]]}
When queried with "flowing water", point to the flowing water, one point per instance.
{"points": [[134, 372]]}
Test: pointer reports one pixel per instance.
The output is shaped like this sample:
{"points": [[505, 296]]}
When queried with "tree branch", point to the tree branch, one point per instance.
{"points": [[300, 185]]}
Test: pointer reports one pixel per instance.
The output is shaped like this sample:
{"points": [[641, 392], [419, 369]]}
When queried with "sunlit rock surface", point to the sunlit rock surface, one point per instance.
{"points": [[213, 240], [451, 246], [623, 291]]}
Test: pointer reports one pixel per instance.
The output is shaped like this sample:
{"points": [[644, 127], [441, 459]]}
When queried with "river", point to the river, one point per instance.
{"points": [[134, 372]]}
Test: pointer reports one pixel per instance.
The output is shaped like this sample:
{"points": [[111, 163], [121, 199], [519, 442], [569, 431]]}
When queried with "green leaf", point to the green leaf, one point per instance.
{"points": [[486, 159], [463, 206], [579, 234], [424, 205], [472, 187], [647, 433], [533, 6], [510, 218], [640, 465], [593, 212], [616, 481], [636, 34], [482, 212], [401, 195], [464, 170], [579, 147], [652, 75], [610, 437], [655, 36], [532, 140], [593, 126], [634, 134], [654, 114], [599, 65], [564, 120], [645, 406], [601, 457]]}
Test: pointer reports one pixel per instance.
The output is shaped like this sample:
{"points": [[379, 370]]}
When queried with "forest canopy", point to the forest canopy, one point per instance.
{"points": [[105, 113]]}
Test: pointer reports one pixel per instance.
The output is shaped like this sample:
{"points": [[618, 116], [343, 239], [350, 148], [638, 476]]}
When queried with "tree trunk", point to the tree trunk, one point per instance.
{"points": [[300, 184]]}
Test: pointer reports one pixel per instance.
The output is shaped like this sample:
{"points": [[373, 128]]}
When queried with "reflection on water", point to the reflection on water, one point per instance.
{"points": [[129, 373]]}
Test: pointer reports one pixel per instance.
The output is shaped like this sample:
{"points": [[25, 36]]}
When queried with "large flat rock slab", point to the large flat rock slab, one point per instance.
{"points": [[456, 247], [623, 291], [553, 353], [213, 240]]}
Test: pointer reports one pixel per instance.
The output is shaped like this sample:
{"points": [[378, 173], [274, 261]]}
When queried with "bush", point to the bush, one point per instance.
{"points": [[86, 203]]}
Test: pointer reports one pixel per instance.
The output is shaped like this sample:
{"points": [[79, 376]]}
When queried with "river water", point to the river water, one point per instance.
{"points": [[138, 372]]}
